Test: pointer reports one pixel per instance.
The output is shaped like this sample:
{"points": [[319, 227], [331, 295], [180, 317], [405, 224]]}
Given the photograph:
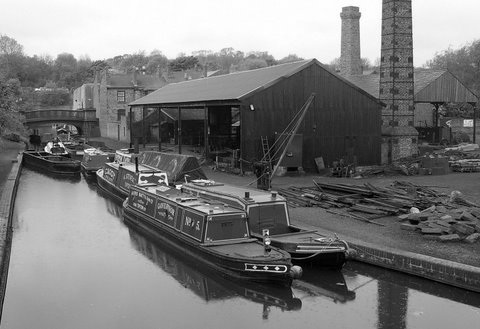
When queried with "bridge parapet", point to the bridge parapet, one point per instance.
{"points": [[59, 115]]}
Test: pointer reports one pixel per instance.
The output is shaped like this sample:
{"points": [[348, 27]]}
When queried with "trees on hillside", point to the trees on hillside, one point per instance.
{"points": [[10, 98], [463, 63]]}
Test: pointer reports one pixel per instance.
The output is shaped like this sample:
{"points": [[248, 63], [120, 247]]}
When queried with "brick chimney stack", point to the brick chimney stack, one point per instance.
{"points": [[350, 61], [396, 81]]}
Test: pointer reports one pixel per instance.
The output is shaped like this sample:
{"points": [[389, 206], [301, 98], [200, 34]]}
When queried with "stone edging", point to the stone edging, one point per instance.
{"points": [[7, 202], [440, 270]]}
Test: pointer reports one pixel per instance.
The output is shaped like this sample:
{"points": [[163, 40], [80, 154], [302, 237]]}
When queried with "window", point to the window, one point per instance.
{"points": [[120, 113], [121, 96]]}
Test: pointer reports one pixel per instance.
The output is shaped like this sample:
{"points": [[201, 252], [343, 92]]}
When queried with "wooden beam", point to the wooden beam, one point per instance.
{"points": [[159, 129], [205, 131]]}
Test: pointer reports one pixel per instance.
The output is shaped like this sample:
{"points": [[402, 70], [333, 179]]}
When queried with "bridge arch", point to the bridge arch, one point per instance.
{"points": [[84, 120]]}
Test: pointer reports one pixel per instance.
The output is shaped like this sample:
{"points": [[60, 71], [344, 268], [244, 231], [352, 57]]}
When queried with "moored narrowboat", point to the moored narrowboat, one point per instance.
{"points": [[268, 215], [217, 235], [115, 178], [94, 159], [54, 164]]}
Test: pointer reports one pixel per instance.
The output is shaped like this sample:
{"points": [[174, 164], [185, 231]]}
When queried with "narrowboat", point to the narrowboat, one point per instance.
{"points": [[94, 159], [115, 178], [207, 283], [268, 215], [216, 235], [54, 164]]}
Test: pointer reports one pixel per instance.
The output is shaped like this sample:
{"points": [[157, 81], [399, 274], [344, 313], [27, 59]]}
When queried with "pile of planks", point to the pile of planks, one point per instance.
{"points": [[367, 198], [465, 165], [420, 208]]}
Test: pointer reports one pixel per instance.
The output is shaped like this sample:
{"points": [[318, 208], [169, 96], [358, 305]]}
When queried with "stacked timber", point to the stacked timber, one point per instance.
{"points": [[465, 165]]}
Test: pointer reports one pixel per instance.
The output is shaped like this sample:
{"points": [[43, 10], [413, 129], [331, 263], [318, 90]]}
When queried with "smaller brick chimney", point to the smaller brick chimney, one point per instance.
{"points": [[350, 61]]}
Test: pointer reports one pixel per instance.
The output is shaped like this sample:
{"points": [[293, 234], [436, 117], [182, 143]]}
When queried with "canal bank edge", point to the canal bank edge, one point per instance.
{"points": [[7, 201], [440, 270]]}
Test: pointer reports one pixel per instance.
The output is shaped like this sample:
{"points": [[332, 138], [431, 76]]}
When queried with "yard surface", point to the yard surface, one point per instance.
{"points": [[390, 235]]}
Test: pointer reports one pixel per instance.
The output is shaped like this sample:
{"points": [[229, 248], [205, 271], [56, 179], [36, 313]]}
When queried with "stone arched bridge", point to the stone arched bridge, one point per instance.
{"points": [[84, 120]]}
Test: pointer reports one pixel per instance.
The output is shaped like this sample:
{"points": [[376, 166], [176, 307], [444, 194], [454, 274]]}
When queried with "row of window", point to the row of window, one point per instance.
{"points": [[121, 96]]}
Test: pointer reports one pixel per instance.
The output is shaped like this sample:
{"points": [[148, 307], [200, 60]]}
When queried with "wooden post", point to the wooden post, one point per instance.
{"points": [[437, 132], [143, 126], [205, 130], [159, 129], [179, 130], [474, 122], [130, 126]]}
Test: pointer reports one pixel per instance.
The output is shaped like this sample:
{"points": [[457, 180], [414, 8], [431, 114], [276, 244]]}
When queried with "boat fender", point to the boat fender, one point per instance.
{"points": [[351, 253], [296, 272]]}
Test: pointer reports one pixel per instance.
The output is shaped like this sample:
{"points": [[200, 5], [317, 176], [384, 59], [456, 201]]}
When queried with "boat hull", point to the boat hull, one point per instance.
{"points": [[232, 266], [304, 245], [204, 281], [114, 192], [309, 247], [54, 164]]}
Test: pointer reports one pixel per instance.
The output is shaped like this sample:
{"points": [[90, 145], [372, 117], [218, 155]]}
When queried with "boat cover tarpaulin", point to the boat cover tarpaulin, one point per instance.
{"points": [[175, 165]]}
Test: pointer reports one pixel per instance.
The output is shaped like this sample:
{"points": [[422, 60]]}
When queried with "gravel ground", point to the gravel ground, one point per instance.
{"points": [[389, 235]]}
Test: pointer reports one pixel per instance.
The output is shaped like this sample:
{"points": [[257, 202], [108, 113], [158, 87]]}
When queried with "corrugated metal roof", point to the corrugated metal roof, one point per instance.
{"points": [[422, 79], [233, 86]]}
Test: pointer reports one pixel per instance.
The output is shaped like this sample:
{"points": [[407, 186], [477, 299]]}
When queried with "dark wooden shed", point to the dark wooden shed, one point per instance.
{"points": [[343, 120]]}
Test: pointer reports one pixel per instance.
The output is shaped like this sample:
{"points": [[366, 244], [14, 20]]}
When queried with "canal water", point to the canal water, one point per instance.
{"points": [[75, 264]]}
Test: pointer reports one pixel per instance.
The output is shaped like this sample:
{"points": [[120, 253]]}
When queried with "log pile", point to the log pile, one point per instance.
{"points": [[436, 215]]}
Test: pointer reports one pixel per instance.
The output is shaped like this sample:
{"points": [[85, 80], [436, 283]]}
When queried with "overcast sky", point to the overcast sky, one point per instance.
{"points": [[308, 28]]}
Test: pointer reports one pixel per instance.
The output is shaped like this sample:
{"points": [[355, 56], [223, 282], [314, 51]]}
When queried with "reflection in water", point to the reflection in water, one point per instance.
{"points": [[326, 283], [73, 178], [392, 305], [207, 283], [414, 283]]}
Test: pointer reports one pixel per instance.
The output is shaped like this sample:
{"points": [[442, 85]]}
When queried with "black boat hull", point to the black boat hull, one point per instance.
{"points": [[232, 267], [110, 189], [54, 164]]}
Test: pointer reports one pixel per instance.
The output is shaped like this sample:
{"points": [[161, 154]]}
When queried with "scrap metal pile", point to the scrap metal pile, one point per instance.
{"points": [[441, 216]]}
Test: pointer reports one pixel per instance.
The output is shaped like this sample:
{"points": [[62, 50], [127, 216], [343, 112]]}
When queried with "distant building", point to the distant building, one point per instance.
{"points": [[111, 92]]}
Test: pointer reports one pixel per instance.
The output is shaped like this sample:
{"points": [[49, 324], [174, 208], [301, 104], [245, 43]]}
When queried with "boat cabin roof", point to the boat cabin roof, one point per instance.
{"points": [[186, 200], [131, 167], [232, 192]]}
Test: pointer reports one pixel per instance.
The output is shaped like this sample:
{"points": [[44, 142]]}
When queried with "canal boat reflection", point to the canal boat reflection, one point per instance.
{"points": [[208, 284], [326, 283], [74, 178]]}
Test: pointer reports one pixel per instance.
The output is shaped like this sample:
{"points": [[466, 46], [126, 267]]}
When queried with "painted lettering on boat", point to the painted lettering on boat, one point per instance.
{"points": [[128, 179], [165, 212], [109, 174], [193, 224], [143, 202]]}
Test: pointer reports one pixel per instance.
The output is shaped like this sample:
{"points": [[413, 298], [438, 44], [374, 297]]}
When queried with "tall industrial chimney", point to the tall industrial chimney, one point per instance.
{"points": [[396, 81], [350, 61]]}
